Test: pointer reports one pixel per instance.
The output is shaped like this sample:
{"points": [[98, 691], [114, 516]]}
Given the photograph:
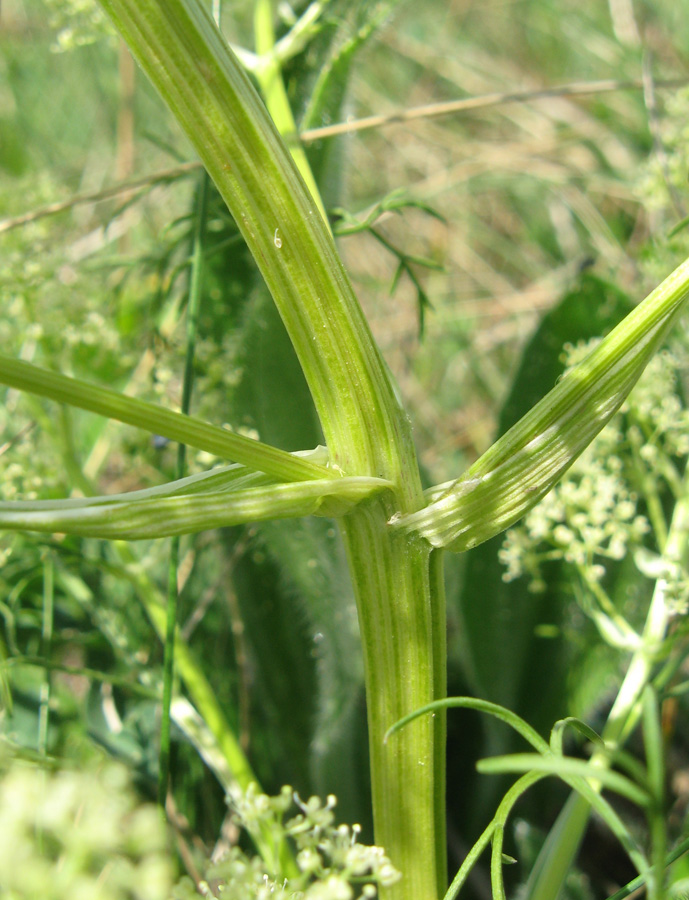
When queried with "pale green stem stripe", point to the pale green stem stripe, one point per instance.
{"points": [[167, 516], [523, 465], [157, 420], [438, 604], [398, 641]]}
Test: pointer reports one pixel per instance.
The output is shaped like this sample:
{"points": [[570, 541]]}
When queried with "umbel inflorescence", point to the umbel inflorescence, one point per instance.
{"points": [[611, 502]]}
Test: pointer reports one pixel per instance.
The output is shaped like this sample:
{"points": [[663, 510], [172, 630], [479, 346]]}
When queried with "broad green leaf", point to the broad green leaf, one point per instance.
{"points": [[523, 465], [271, 394], [156, 517], [313, 590]]}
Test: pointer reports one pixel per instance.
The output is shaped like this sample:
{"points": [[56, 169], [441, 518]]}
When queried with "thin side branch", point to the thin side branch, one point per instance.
{"points": [[481, 101], [428, 111], [124, 187]]}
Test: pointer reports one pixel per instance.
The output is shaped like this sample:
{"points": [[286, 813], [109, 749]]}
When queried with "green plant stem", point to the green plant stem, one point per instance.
{"points": [[269, 77], [439, 661], [563, 841], [648, 483], [366, 430], [46, 641], [195, 291], [616, 626], [654, 747], [399, 635]]}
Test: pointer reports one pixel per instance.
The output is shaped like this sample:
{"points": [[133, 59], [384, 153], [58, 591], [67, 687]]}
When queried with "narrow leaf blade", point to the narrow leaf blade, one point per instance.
{"points": [[124, 519], [158, 420], [524, 464]]}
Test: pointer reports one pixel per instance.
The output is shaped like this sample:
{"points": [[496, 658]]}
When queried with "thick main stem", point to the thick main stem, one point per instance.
{"points": [[401, 614], [398, 590]]}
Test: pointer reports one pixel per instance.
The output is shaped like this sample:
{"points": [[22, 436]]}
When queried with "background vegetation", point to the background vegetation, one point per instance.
{"points": [[520, 227]]}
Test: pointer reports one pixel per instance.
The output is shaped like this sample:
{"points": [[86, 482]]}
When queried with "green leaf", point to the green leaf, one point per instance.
{"points": [[494, 831], [271, 395], [126, 519], [499, 712], [558, 731], [176, 426], [586, 779], [523, 465], [566, 767], [296, 577]]}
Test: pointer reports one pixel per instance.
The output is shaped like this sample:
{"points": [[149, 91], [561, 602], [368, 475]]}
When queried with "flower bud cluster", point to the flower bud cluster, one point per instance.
{"points": [[80, 834], [599, 510], [332, 864]]}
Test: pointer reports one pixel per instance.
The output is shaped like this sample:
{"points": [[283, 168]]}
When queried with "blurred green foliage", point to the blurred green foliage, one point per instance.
{"points": [[553, 216]]}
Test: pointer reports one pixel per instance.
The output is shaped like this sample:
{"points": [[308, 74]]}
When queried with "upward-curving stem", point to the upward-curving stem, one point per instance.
{"points": [[200, 79], [399, 594]]}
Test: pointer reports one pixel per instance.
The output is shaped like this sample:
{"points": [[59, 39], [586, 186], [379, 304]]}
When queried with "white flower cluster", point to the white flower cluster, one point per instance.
{"points": [[589, 517], [331, 864], [592, 516], [80, 835], [78, 22]]}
